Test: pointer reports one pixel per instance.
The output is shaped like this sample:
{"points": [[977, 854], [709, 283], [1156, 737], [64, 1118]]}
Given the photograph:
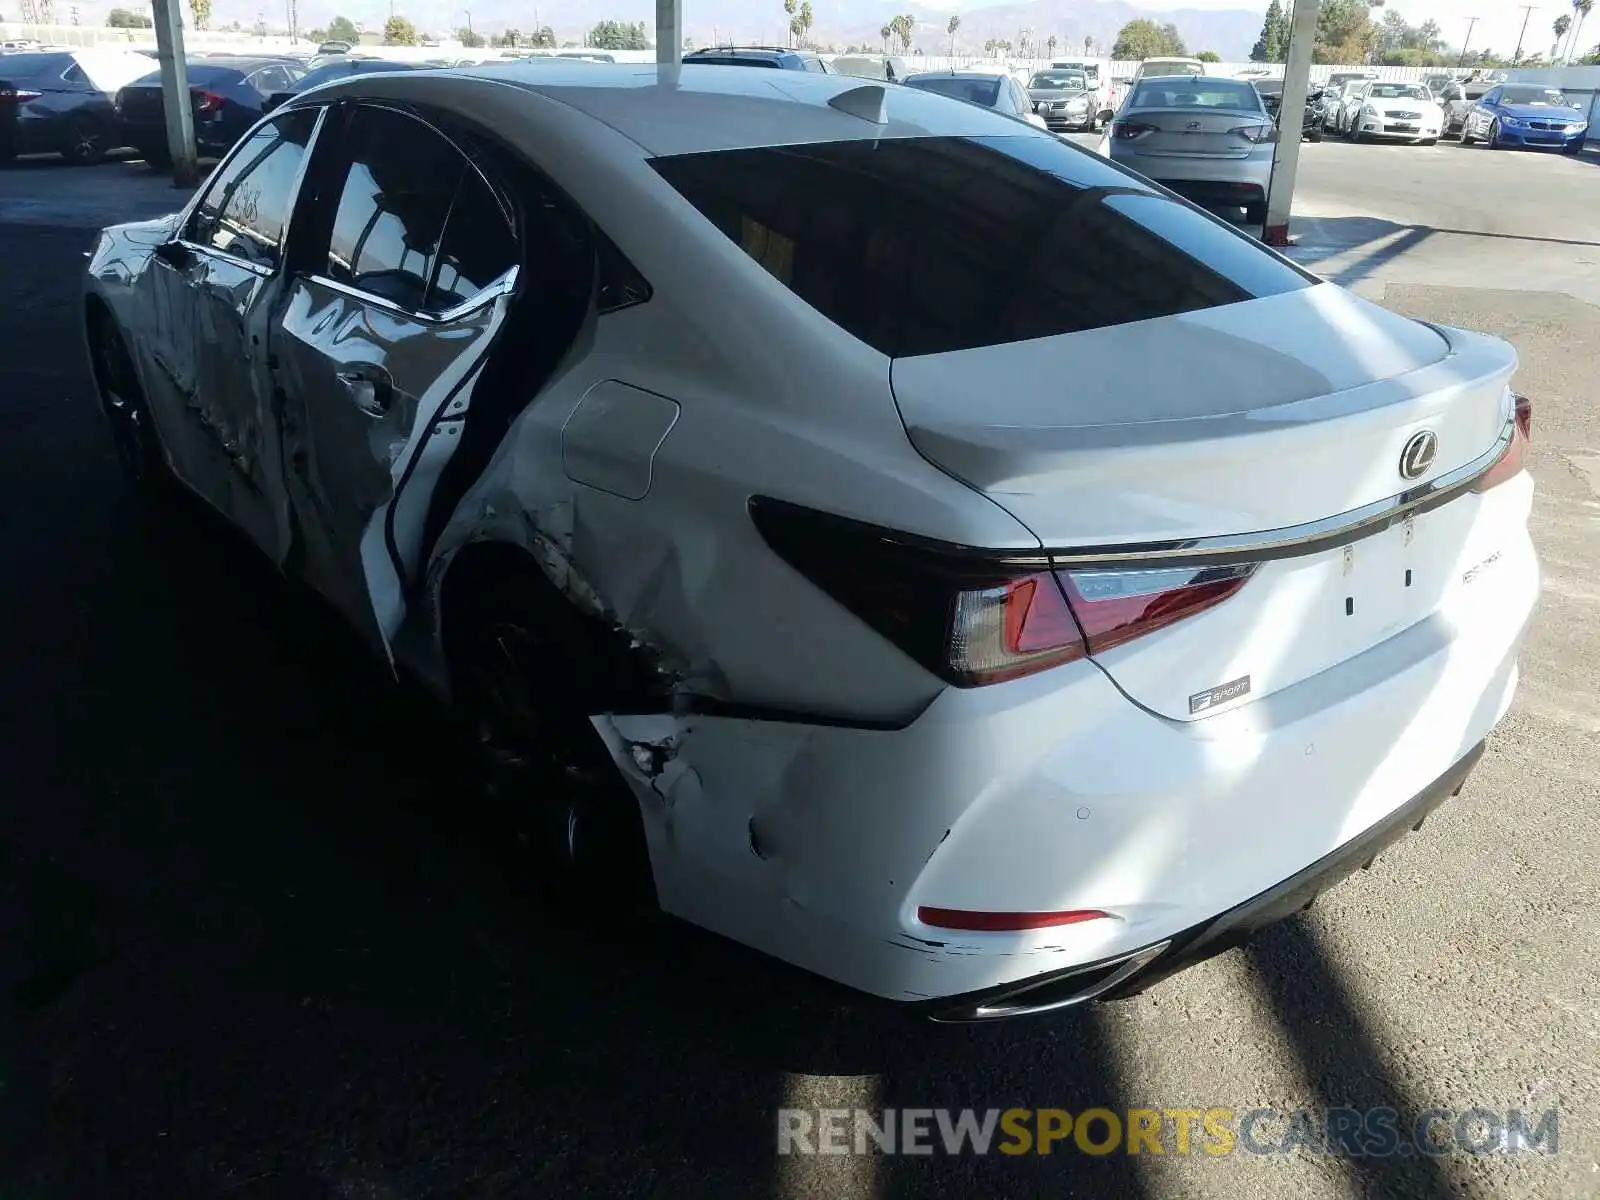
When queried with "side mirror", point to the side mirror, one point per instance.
{"points": [[175, 254]]}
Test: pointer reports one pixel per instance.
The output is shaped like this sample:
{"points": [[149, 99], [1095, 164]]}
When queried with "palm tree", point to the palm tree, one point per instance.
{"points": [[885, 33], [1088, 46], [1050, 45], [1562, 24], [1580, 10], [954, 24]]}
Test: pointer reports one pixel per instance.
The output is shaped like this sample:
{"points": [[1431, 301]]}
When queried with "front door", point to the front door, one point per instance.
{"points": [[378, 347], [210, 292]]}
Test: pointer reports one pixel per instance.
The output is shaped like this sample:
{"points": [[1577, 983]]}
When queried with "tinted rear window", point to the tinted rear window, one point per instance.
{"points": [[924, 245], [734, 60], [973, 90], [200, 75], [30, 66]]}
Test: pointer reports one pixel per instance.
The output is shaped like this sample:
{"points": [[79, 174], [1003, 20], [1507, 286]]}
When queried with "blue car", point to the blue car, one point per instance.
{"points": [[1525, 114]]}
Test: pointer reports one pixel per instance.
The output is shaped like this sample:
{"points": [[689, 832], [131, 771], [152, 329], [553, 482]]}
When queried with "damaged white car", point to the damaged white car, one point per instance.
{"points": [[875, 530]]}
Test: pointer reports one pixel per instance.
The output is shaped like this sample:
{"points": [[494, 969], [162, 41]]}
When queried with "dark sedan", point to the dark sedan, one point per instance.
{"points": [[228, 97], [1312, 116], [339, 69], [61, 102]]}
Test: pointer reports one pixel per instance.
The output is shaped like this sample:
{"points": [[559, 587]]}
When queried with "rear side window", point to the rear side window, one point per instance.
{"points": [[926, 245], [974, 90], [74, 74], [415, 224]]}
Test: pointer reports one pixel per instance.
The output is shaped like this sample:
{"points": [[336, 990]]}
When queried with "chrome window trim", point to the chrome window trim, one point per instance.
{"points": [[1294, 540], [503, 286]]}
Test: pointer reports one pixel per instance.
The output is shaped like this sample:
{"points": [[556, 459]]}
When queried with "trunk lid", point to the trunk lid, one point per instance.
{"points": [[1123, 443], [141, 104], [1194, 132]]}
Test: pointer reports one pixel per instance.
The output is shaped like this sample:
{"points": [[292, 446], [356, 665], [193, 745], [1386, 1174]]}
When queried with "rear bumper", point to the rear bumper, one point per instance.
{"points": [[1129, 974], [1211, 194], [821, 845], [1221, 182]]}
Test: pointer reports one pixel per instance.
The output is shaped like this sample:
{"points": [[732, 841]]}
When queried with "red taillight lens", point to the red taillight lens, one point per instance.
{"points": [[1128, 130], [1515, 457], [1006, 922], [979, 617], [1117, 606], [11, 95], [208, 102], [1256, 133]]}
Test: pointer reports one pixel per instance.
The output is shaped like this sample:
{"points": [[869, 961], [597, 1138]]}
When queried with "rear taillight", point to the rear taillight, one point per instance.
{"points": [[1255, 133], [1128, 130], [977, 617], [1515, 457], [11, 95], [208, 102]]}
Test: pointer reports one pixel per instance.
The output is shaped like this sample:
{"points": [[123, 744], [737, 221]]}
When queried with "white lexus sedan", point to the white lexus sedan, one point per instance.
{"points": [[987, 643], [1395, 112]]}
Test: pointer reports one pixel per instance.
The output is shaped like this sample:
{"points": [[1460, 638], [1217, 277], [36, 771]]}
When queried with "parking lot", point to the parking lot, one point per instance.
{"points": [[255, 946]]}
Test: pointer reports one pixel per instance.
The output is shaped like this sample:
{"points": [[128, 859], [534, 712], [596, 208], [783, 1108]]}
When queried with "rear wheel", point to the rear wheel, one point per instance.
{"points": [[519, 683], [86, 140], [1429, 142], [1255, 214], [1492, 140], [158, 157], [123, 401]]}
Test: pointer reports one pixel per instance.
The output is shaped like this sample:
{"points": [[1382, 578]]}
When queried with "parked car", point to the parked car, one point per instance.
{"points": [[1168, 66], [1526, 114], [62, 102], [1453, 98], [1339, 78], [1063, 100], [1311, 115], [1207, 138], [336, 70], [335, 47], [1393, 111], [1335, 99], [228, 96], [887, 67], [1097, 76], [1063, 600], [1001, 93], [1438, 84], [760, 56]]}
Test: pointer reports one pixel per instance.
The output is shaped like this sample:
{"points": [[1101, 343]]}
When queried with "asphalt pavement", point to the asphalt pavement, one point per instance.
{"points": [[253, 944]]}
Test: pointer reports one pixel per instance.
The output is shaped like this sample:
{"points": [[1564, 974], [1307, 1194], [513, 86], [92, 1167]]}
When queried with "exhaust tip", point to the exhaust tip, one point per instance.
{"points": [[1053, 993]]}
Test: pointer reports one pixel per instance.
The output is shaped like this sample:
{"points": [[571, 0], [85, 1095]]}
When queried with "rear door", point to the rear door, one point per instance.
{"points": [[378, 349]]}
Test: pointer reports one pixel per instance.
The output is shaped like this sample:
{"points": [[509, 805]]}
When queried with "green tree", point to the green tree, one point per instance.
{"points": [[1209, 56], [469, 38], [122, 18], [397, 31], [1580, 12], [619, 35], [953, 24], [202, 12], [544, 38], [886, 33], [1345, 33], [1273, 44], [1142, 38], [342, 29], [510, 39], [1562, 24]]}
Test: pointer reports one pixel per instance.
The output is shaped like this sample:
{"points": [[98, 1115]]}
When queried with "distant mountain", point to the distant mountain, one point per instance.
{"points": [[1230, 32]]}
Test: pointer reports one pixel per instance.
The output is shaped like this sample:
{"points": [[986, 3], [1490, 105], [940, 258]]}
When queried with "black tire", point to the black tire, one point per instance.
{"points": [[524, 679], [85, 140], [1255, 214], [1429, 142], [1493, 139], [1315, 135], [157, 157], [1466, 138], [127, 411], [1573, 150]]}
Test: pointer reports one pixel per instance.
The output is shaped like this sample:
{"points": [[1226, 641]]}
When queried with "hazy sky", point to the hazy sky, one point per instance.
{"points": [[1498, 20]]}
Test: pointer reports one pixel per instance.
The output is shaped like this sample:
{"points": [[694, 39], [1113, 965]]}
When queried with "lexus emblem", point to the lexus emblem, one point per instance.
{"points": [[1419, 454]]}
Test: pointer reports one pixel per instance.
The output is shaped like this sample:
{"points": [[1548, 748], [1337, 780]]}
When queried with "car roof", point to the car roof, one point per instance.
{"points": [[707, 109]]}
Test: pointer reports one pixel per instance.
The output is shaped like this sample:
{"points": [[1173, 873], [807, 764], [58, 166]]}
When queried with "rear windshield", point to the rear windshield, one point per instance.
{"points": [[200, 75], [925, 245], [30, 66], [1180, 91], [974, 89]]}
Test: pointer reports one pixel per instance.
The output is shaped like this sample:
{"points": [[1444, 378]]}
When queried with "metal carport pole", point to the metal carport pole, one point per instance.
{"points": [[175, 92], [669, 39], [1296, 83]]}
